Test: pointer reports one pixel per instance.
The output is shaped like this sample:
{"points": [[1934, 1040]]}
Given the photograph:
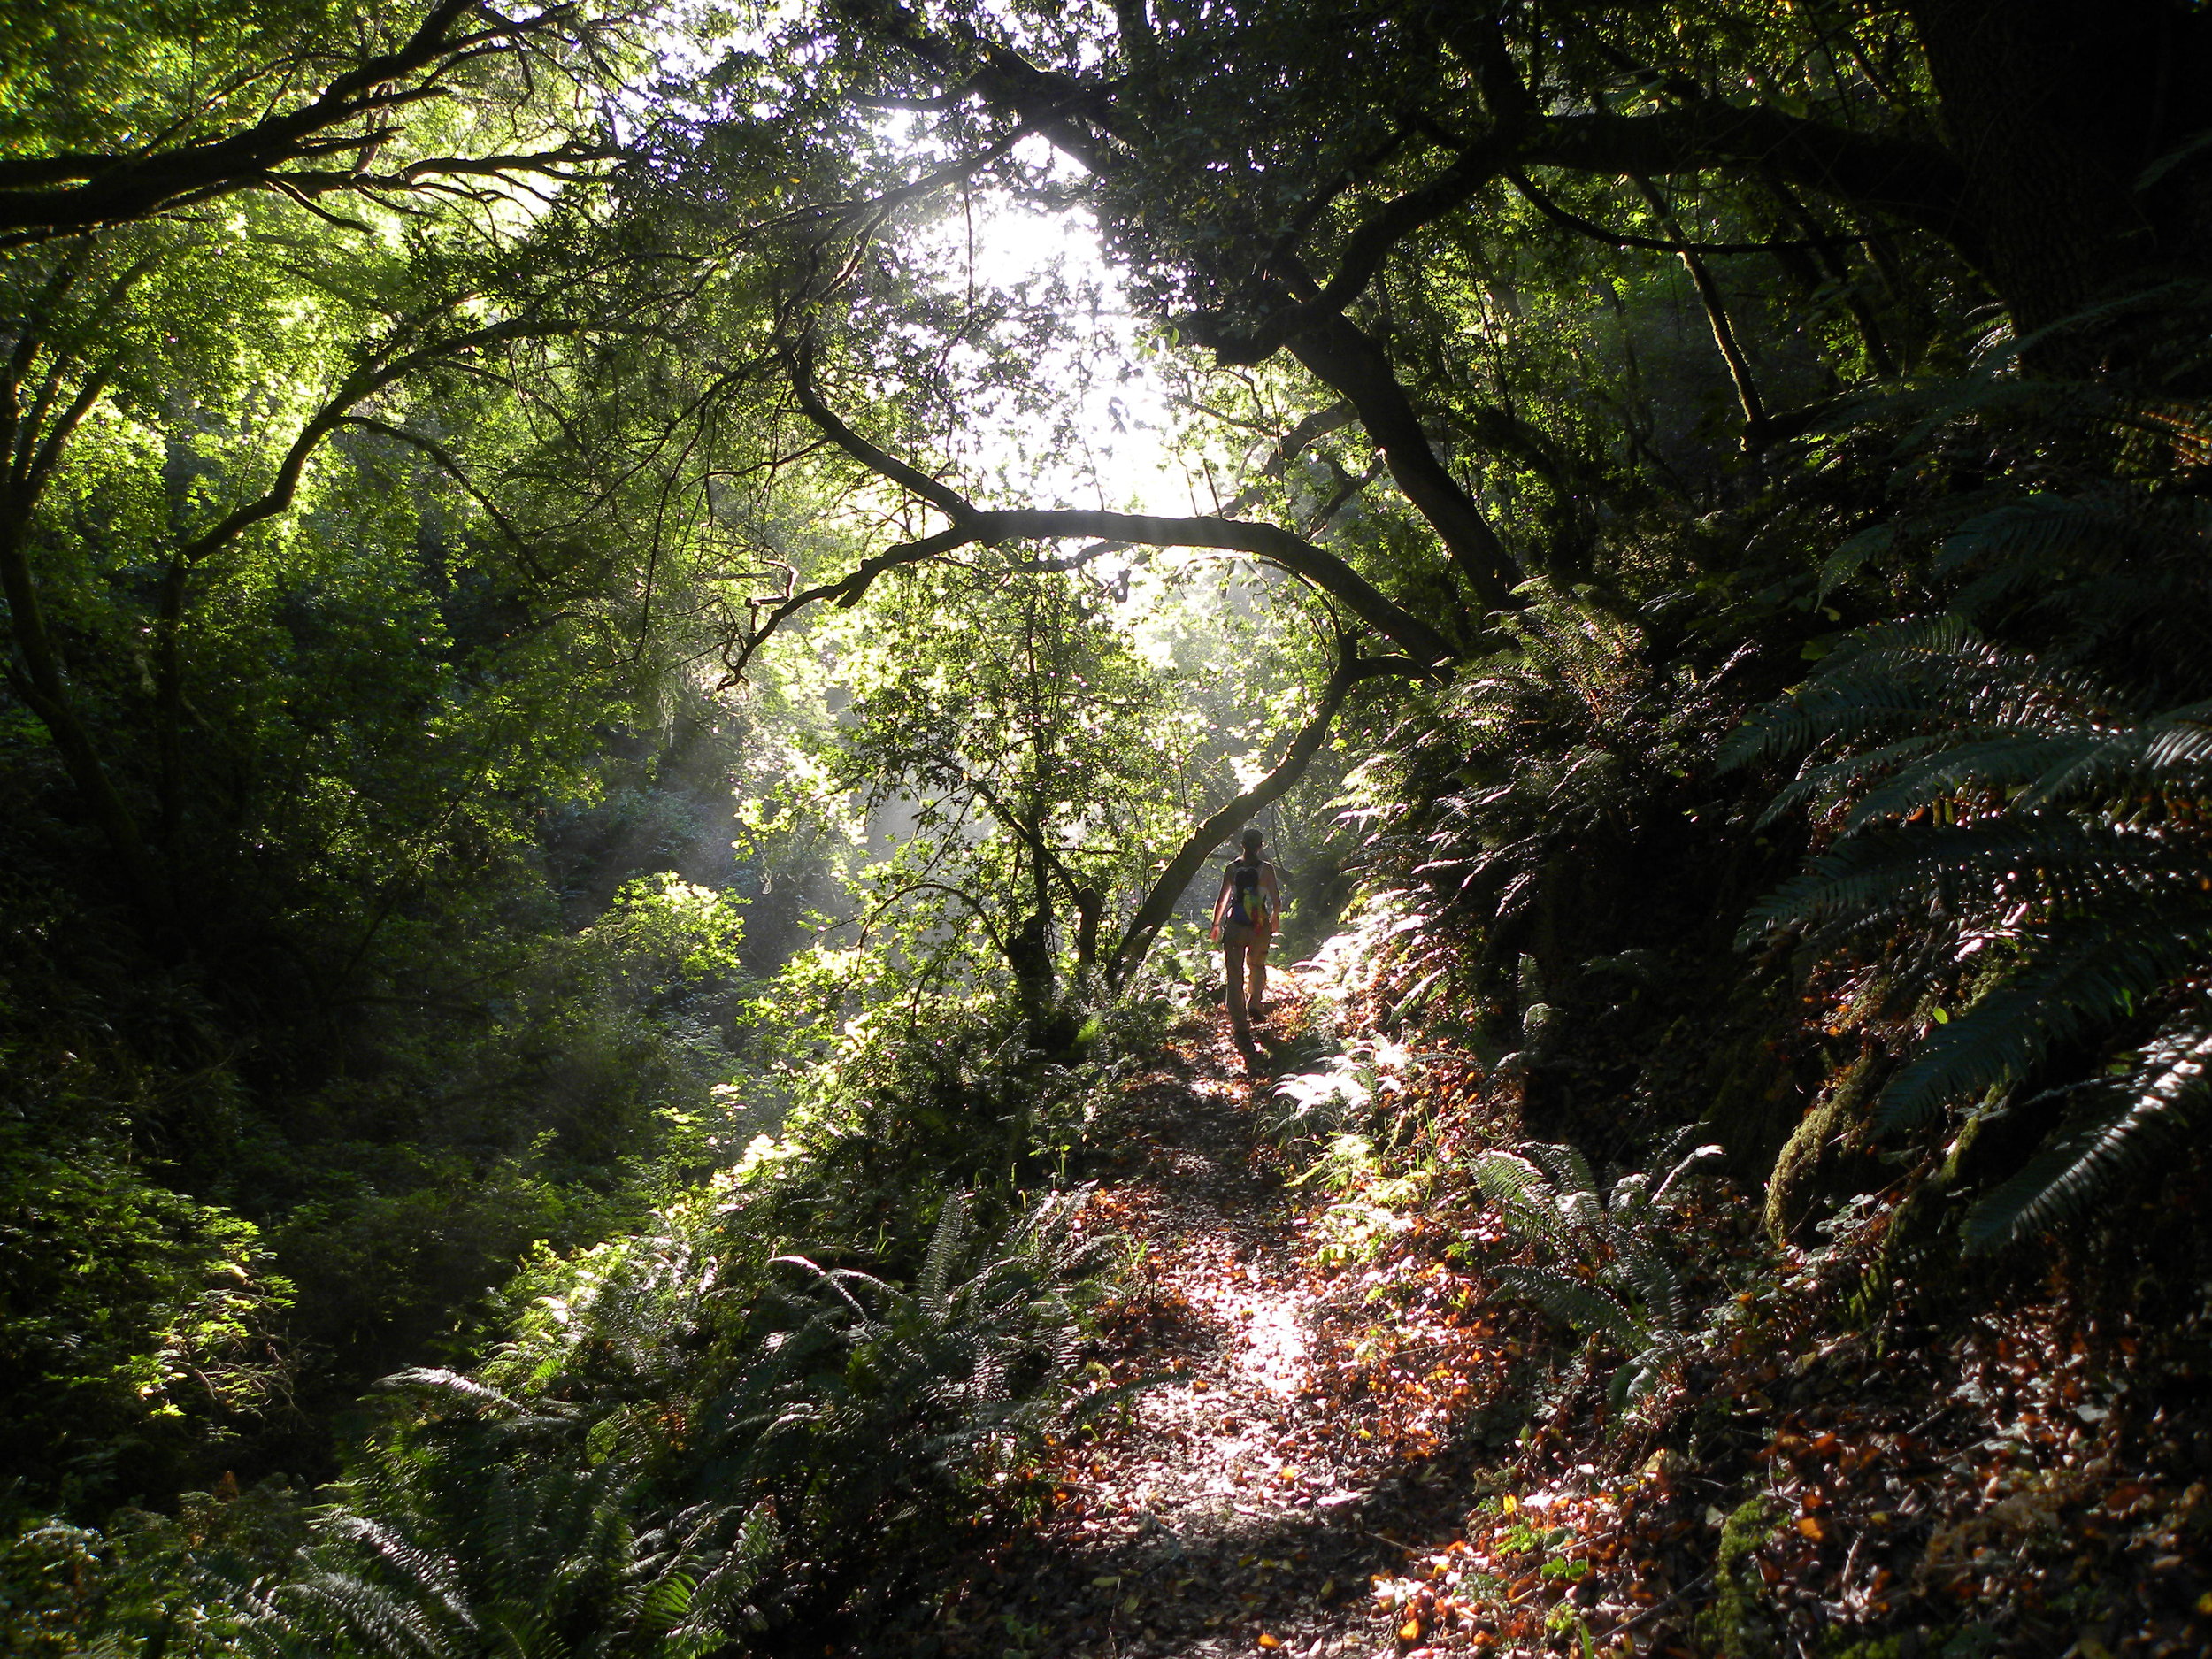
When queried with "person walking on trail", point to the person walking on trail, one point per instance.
{"points": [[1245, 911]]}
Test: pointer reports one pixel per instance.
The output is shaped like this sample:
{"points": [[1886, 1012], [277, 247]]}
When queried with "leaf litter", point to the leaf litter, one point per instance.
{"points": [[1321, 1447]]}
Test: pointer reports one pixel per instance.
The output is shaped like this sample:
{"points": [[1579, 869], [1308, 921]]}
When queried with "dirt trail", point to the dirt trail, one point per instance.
{"points": [[1236, 1511]]}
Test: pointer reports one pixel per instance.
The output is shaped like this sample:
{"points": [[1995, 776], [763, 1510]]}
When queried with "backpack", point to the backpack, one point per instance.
{"points": [[1248, 899]]}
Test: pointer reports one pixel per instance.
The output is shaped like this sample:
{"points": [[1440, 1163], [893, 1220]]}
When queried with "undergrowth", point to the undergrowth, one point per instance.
{"points": [[764, 1412]]}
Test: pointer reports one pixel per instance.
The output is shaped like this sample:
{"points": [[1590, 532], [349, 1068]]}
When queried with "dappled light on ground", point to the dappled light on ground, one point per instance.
{"points": [[1335, 1437], [1265, 1467]]}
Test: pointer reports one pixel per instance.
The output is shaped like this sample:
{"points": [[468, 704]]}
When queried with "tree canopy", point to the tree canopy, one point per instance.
{"points": [[630, 630]]}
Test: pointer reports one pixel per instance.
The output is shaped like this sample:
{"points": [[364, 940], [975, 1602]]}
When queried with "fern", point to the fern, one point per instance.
{"points": [[2129, 1125], [2041, 807], [1573, 1301], [658, 1468], [1578, 730], [2088, 977], [1618, 1282]]}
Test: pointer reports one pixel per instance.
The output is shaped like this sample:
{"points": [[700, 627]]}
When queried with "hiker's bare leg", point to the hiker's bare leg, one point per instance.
{"points": [[1255, 953]]}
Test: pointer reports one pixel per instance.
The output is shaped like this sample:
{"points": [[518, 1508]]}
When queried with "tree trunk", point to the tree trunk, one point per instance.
{"points": [[2056, 109]]}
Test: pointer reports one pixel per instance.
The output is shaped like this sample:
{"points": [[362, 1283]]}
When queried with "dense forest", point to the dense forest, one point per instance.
{"points": [[635, 634]]}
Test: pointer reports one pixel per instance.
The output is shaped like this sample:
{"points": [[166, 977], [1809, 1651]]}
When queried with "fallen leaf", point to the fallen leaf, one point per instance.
{"points": [[1267, 1640]]}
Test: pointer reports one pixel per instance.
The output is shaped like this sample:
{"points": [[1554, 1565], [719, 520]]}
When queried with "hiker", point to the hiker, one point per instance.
{"points": [[1244, 920]]}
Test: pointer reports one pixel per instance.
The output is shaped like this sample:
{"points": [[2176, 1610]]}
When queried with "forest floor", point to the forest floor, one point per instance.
{"points": [[1235, 1504], [1331, 1439]]}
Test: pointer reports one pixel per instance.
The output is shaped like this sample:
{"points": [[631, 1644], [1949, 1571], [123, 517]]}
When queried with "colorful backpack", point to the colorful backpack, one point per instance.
{"points": [[1248, 899]]}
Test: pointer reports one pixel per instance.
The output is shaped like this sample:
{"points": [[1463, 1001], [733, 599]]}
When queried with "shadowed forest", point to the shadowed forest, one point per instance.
{"points": [[636, 634]]}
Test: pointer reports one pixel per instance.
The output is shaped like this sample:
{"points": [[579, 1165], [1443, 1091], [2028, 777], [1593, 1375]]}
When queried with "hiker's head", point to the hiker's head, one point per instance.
{"points": [[1252, 839]]}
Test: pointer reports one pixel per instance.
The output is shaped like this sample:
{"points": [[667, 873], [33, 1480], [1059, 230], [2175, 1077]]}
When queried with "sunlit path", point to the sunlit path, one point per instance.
{"points": [[1235, 1508]]}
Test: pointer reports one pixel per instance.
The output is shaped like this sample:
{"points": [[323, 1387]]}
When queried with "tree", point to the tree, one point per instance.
{"points": [[336, 560], [2053, 150], [225, 100], [108, 292], [1004, 727]]}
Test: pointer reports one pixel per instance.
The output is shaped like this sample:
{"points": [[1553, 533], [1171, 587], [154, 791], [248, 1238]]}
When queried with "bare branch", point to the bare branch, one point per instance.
{"points": [[1269, 544], [1365, 249]]}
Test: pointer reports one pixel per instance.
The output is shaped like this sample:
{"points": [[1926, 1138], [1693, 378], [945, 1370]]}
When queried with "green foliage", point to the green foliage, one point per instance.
{"points": [[1615, 1273], [1742, 1619], [1577, 742], [381, 579], [331, 577], [2028, 814], [190, 1582], [138, 1324], [997, 732], [1318, 1103], [683, 1443]]}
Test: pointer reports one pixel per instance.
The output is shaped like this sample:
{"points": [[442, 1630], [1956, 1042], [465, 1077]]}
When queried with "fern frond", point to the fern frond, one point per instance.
{"points": [[2045, 762], [1860, 685], [1643, 1373], [1694, 1159], [1894, 870], [2088, 974], [1573, 1301], [1569, 1170], [2038, 531], [1650, 1277], [2169, 749], [2154, 1109], [348, 1607], [435, 1381], [1853, 770], [1523, 1195], [2179, 742], [432, 1575], [946, 1245]]}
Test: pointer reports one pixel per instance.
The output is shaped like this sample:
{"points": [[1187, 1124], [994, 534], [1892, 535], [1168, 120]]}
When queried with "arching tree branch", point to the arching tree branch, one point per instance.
{"points": [[1167, 889], [59, 196], [1269, 543], [800, 363]]}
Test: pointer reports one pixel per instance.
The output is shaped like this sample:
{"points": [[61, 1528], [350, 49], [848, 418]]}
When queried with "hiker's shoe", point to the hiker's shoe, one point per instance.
{"points": [[1259, 1010]]}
